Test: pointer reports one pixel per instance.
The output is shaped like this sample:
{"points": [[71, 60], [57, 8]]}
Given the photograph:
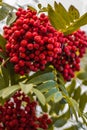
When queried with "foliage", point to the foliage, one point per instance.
{"points": [[49, 87]]}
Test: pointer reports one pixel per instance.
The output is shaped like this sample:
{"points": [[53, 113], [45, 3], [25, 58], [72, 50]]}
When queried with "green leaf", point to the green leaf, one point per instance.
{"points": [[71, 87], [2, 83], [11, 18], [82, 75], [4, 93], [5, 75], [63, 89], [46, 86], [50, 94], [77, 24], [58, 97], [51, 128], [73, 13], [83, 101], [3, 12], [44, 9], [42, 78], [39, 6], [2, 42], [60, 122], [26, 88], [40, 96], [77, 93], [84, 82], [32, 8], [59, 8], [72, 128], [55, 21]]}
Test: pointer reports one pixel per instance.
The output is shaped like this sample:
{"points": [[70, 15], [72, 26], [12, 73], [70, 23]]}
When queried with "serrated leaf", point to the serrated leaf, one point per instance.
{"points": [[5, 93], [11, 18], [55, 21], [82, 75], [3, 12], [46, 86], [2, 42], [60, 123], [26, 88], [73, 13], [40, 96], [50, 94], [77, 24], [63, 12], [42, 78], [58, 97]]}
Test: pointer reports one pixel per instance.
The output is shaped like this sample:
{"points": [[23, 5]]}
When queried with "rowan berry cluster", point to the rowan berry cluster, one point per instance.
{"points": [[19, 113], [73, 48], [32, 42]]}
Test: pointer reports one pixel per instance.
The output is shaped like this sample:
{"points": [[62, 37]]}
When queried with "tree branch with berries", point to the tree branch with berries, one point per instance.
{"points": [[40, 66]]}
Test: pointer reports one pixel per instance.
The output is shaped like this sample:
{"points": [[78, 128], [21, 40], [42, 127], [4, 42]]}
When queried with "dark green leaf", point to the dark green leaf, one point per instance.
{"points": [[51, 128], [2, 83], [84, 82], [82, 75], [11, 18], [62, 87], [39, 6], [42, 78], [71, 87], [60, 122], [40, 96], [77, 93], [5, 75], [73, 13], [83, 101], [2, 42], [72, 128], [46, 86], [3, 12]]}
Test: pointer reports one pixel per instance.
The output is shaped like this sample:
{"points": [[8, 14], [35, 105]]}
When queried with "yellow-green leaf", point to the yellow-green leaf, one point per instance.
{"points": [[40, 96], [26, 88], [73, 13]]}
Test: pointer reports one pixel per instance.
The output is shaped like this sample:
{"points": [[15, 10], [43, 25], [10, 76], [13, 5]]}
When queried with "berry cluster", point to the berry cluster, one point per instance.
{"points": [[73, 48], [31, 42], [19, 113]]}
